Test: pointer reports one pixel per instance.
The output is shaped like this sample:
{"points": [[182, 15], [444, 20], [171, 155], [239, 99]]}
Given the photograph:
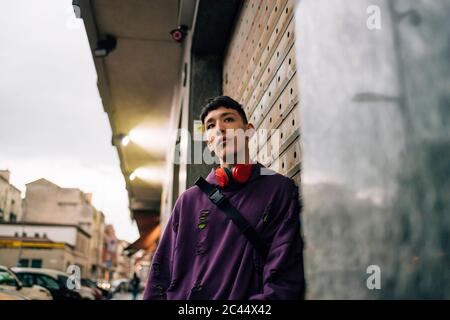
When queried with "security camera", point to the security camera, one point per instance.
{"points": [[105, 44], [179, 33]]}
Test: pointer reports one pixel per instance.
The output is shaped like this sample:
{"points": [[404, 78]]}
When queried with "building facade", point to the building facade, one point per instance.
{"points": [[10, 199], [44, 245], [48, 206], [125, 264], [48, 202], [97, 266]]}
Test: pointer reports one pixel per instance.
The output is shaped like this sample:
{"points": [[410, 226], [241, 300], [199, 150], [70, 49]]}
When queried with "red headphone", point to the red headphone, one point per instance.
{"points": [[240, 173]]}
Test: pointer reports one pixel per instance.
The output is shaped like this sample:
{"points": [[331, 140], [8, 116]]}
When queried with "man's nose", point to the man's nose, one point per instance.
{"points": [[220, 127]]}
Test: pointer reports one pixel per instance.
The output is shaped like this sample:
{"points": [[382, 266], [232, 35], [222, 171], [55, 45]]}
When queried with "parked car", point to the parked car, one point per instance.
{"points": [[62, 278], [105, 286], [95, 291], [10, 283], [86, 293], [54, 282], [104, 293]]}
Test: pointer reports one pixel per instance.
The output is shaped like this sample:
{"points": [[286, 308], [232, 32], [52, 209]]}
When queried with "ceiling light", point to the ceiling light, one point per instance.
{"points": [[125, 140], [121, 139]]}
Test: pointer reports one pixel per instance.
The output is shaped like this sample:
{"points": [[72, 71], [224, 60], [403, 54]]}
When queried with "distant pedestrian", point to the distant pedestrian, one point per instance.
{"points": [[134, 284]]}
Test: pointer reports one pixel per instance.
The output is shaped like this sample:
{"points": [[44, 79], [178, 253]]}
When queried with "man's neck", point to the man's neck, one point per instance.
{"points": [[228, 165]]}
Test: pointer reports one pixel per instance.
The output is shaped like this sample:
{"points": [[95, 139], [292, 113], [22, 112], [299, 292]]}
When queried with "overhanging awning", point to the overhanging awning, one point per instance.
{"points": [[146, 242]]}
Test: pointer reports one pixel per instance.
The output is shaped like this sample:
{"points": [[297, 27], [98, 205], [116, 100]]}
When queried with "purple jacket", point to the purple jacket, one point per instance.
{"points": [[203, 255]]}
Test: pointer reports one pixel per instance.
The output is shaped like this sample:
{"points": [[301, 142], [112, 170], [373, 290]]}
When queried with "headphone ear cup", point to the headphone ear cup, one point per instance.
{"points": [[222, 177], [242, 172]]}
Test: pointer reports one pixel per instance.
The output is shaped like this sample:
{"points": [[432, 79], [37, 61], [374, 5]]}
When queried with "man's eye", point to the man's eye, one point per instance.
{"points": [[229, 119], [209, 126]]}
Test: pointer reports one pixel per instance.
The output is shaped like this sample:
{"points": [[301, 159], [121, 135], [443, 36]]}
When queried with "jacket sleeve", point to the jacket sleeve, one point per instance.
{"points": [[283, 275], [159, 277]]}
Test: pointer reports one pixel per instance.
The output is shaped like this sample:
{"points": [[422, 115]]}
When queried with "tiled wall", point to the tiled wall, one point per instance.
{"points": [[260, 73]]}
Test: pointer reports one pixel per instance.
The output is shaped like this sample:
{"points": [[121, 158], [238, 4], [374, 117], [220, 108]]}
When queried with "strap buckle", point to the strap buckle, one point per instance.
{"points": [[217, 197]]}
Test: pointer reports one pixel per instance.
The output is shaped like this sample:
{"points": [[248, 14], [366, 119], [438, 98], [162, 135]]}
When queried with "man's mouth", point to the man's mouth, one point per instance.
{"points": [[222, 142]]}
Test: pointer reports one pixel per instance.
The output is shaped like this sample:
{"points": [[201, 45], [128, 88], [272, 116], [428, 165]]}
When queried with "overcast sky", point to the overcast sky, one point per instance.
{"points": [[52, 123]]}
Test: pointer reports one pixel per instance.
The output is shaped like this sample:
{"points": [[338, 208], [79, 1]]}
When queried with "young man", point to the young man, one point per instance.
{"points": [[203, 254]]}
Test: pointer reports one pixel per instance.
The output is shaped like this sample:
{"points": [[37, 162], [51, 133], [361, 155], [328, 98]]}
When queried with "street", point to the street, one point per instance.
{"points": [[125, 296]]}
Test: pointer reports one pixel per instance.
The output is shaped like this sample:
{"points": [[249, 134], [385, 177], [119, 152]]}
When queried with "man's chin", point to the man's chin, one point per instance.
{"points": [[233, 158], [227, 157]]}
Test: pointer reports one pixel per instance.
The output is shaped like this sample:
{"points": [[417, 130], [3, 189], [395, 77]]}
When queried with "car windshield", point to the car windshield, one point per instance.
{"points": [[63, 280], [7, 279], [46, 282], [26, 279]]}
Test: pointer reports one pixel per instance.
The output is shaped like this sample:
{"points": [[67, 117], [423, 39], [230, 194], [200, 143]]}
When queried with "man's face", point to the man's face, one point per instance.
{"points": [[226, 134]]}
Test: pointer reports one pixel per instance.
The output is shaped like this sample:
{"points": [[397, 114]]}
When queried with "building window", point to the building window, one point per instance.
{"points": [[12, 217], [36, 235], [24, 263], [1, 215], [36, 263], [94, 269]]}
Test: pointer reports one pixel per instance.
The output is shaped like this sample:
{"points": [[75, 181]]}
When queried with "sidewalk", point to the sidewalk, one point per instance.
{"points": [[125, 296]]}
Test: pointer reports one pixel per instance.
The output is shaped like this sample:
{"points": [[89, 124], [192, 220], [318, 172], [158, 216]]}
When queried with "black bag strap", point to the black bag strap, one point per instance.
{"points": [[223, 204]]}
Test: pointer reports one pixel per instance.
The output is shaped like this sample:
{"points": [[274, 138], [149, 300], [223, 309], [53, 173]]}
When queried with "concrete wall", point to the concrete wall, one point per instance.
{"points": [[96, 244], [176, 159], [200, 79], [51, 258], [46, 202], [375, 110], [82, 245], [55, 233]]}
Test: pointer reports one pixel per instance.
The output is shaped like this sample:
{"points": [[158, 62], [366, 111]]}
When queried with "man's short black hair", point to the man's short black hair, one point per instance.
{"points": [[222, 101]]}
